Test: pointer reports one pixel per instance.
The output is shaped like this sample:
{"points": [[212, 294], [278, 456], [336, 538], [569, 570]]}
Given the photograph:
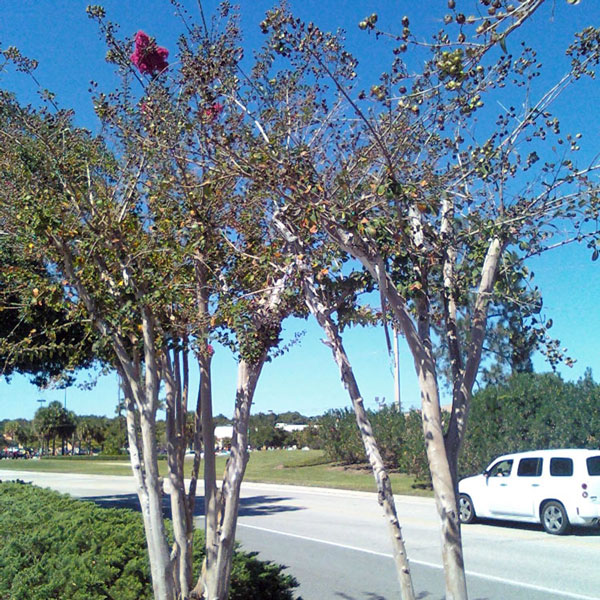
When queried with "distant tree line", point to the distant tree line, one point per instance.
{"points": [[56, 430], [524, 412]]}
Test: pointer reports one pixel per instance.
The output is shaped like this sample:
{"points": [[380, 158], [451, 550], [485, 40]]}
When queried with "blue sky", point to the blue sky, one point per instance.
{"points": [[59, 34]]}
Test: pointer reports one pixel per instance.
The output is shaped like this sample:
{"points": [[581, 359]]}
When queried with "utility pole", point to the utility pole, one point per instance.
{"points": [[397, 371]]}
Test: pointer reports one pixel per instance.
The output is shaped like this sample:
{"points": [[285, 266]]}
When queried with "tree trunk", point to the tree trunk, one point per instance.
{"points": [[181, 554], [248, 375], [322, 313], [206, 582], [439, 464], [441, 472], [160, 563], [205, 384], [216, 573], [384, 486], [142, 381], [144, 461], [443, 487]]}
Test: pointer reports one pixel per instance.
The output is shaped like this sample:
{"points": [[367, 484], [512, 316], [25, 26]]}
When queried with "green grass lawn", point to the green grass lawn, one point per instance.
{"points": [[296, 467]]}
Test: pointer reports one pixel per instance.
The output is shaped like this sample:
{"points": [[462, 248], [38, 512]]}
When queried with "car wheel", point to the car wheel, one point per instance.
{"points": [[554, 518], [466, 510]]}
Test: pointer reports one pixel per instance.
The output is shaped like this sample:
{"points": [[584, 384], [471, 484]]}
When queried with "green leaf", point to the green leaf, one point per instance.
{"points": [[502, 42]]}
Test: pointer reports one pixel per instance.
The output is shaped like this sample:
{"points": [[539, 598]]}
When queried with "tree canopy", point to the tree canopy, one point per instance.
{"points": [[219, 200]]}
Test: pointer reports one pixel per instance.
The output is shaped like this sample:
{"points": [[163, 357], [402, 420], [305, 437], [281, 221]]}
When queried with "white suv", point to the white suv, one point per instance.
{"points": [[556, 488]]}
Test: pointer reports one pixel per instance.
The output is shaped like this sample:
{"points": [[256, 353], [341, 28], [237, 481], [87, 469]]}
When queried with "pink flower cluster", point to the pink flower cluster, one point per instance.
{"points": [[213, 112], [147, 56]]}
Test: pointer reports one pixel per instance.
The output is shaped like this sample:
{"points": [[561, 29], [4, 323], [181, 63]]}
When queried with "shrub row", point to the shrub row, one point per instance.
{"points": [[56, 547], [526, 412], [531, 411], [399, 436]]}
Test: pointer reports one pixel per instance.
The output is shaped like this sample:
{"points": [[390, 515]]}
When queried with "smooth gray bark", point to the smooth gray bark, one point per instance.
{"points": [[322, 313], [384, 487], [181, 553]]}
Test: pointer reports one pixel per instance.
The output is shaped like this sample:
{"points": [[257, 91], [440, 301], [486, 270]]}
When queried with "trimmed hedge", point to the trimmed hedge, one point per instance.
{"points": [[56, 547]]}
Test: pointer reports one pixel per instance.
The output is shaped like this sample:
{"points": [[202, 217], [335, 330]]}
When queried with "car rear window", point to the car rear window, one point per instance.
{"points": [[593, 465], [530, 467], [561, 467]]}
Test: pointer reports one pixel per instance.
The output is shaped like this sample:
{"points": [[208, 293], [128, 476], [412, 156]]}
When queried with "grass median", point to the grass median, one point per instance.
{"points": [[290, 467]]}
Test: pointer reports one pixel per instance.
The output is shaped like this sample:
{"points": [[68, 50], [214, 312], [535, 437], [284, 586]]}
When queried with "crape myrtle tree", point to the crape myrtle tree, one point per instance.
{"points": [[436, 192], [36, 338], [268, 137], [158, 256]]}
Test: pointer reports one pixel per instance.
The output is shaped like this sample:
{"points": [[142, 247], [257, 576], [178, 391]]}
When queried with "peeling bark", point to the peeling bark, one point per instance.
{"points": [[322, 313], [419, 343], [384, 487], [181, 553]]}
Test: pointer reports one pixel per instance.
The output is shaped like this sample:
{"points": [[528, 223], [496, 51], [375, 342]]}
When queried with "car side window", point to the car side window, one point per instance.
{"points": [[561, 467], [501, 469], [593, 465], [530, 467]]}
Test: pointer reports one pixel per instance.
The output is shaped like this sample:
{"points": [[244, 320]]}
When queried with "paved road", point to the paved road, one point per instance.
{"points": [[336, 543]]}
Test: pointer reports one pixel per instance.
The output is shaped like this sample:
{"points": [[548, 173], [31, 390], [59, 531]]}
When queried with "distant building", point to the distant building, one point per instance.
{"points": [[222, 433], [290, 427]]}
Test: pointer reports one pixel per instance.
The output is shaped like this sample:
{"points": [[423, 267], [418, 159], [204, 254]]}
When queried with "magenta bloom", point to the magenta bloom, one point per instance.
{"points": [[213, 112], [147, 56]]}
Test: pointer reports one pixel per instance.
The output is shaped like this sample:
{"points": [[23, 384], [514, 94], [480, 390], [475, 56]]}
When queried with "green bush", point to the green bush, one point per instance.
{"points": [[340, 438], [527, 412], [399, 438], [56, 547], [414, 457], [308, 437], [389, 428]]}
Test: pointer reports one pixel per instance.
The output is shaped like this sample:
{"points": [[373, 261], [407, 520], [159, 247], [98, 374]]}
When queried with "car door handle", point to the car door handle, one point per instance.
{"points": [[503, 484], [535, 485]]}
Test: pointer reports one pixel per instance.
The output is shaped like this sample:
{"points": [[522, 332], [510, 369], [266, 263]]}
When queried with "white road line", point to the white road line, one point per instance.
{"points": [[423, 563]]}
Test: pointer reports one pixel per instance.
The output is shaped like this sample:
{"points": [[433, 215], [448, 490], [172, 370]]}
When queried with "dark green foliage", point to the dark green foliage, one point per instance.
{"points": [[116, 437], [414, 457], [340, 438], [55, 421], [253, 579], [37, 337], [390, 429], [292, 417], [263, 433], [528, 412], [56, 547], [309, 437], [399, 437]]}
